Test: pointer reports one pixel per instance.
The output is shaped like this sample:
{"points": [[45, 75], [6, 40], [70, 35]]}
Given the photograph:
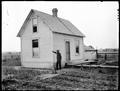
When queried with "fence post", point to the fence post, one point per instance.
{"points": [[97, 54], [105, 56]]}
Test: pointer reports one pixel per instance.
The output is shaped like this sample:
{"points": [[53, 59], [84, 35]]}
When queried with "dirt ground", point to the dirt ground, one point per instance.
{"points": [[84, 78]]}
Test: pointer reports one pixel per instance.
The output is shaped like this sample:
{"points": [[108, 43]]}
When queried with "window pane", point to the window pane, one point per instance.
{"points": [[35, 48], [77, 49], [34, 21], [35, 52], [77, 46], [35, 43], [34, 28]]}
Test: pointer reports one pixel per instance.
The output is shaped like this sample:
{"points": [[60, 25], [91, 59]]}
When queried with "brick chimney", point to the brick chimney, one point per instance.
{"points": [[54, 11]]}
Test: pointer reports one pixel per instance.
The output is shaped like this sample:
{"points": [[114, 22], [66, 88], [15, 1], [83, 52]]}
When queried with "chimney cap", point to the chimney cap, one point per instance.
{"points": [[54, 11]]}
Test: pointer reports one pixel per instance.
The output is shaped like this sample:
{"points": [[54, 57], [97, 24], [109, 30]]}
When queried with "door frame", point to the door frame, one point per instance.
{"points": [[67, 40]]}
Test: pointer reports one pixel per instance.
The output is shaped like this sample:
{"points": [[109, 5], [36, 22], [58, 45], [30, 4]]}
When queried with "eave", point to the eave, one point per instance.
{"points": [[69, 34], [26, 20]]}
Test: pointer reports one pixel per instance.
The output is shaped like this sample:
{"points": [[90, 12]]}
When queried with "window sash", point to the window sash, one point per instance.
{"points": [[34, 28], [34, 21], [35, 48], [35, 52], [35, 43]]}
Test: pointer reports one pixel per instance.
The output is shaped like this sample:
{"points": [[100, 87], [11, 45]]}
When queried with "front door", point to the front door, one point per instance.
{"points": [[67, 47]]}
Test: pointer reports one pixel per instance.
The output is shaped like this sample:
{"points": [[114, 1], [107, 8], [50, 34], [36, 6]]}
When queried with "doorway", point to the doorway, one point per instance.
{"points": [[67, 48]]}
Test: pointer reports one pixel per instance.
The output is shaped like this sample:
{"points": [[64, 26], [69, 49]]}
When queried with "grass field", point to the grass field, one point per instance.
{"points": [[68, 79], [85, 78]]}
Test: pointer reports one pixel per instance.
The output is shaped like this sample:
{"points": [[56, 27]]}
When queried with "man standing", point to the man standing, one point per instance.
{"points": [[58, 63]]}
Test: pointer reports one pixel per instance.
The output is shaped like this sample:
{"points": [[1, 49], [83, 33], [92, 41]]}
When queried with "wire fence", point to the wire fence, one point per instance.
{"points": [[108, 56]]}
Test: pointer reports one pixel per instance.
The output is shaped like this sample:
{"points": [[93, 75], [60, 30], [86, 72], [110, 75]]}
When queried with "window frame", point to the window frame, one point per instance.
{"points": [[34, 24], [35, 47], [76, 40]]}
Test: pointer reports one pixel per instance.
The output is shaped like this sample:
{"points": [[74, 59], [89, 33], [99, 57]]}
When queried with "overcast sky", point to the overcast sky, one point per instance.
{"points": [[98, 21]]}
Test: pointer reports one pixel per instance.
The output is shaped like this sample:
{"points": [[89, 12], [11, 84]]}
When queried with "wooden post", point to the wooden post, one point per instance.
{"points": [[96, 54], [105, 56]]}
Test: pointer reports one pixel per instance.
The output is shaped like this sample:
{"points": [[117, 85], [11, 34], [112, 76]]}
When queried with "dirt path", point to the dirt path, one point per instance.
{"points": [[49, 75], [45, 76]]}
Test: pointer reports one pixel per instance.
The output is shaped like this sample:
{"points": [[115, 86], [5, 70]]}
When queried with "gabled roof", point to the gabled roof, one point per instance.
{"points": [[55, 24]]}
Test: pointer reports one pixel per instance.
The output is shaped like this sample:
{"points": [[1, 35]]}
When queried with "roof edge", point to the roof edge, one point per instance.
{"points": [[25, 21], [68, 34]]}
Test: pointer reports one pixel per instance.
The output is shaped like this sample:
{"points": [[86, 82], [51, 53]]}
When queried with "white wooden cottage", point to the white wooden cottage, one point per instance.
{"points": [[43, 33]]}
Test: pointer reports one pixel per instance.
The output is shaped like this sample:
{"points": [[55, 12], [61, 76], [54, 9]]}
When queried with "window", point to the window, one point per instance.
{"points": [[34, 25], [35, 47], [34, 28], [77, 47], [35, 43]]}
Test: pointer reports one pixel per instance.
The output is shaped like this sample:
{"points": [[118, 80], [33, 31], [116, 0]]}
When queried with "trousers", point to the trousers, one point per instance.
{"points": [[58, 65]]}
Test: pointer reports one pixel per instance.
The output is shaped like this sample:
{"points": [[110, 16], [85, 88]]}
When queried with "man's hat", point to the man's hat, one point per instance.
{"points": [[57, 50]]}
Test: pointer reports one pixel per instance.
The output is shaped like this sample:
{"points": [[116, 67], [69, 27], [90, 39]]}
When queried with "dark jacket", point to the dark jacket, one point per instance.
{"points": [[59, 57]]}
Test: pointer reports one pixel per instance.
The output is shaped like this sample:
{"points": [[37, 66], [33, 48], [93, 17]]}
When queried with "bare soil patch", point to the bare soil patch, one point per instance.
{"points": [[68, 79]]}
